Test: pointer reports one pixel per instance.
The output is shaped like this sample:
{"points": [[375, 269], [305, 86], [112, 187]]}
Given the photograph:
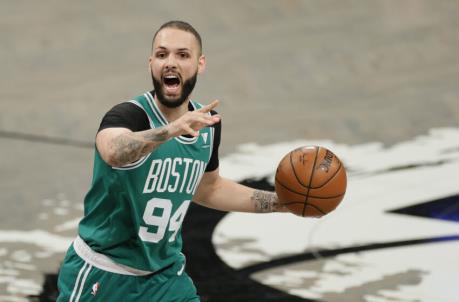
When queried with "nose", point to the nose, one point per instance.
{"points": [[171, 62]]}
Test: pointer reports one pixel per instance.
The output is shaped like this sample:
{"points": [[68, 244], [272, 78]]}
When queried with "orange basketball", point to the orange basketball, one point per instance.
{"points": [[310, 181]]}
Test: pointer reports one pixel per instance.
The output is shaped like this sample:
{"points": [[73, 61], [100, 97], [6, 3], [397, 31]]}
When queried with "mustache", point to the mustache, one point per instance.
{"points": [[187, 88], [170, 70]]}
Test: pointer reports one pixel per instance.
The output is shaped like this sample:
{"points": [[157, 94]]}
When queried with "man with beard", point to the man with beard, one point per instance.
{"points": [[154, 155]]}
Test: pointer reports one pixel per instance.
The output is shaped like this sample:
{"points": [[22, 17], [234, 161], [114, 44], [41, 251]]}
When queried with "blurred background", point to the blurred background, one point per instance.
{"points": [[351, 72]]}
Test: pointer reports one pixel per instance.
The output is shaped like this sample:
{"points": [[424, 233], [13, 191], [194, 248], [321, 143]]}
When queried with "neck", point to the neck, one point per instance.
{"points": [[171, 114]]}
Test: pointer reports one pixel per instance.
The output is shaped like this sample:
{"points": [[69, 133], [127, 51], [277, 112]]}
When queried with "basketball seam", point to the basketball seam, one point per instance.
{"points": [[294, 171], [328, 197], [334, 174], [303, 194], [317, 208], [289, 189], [309, 205], [310, 180]]}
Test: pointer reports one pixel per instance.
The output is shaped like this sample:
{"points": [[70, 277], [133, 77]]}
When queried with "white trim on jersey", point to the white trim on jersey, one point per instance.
{"points": [[133, 165], [155, 109], [159, 115], [152, 104]]}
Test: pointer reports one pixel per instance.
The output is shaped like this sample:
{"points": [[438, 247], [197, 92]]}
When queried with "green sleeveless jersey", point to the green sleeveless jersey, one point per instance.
{"points": [[134, 214]]}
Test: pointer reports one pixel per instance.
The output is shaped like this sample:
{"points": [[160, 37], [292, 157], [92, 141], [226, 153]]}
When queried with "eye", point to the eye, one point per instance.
{"points": [[184, 55], [161, 55]]}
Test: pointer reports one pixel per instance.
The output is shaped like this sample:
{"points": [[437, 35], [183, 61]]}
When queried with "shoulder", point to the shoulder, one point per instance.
{"points": [[128, 107], [126, 110], [126, 115]]}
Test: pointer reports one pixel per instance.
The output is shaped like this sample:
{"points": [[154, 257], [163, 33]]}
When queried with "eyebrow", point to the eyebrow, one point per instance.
{"points": [[180, 49]]}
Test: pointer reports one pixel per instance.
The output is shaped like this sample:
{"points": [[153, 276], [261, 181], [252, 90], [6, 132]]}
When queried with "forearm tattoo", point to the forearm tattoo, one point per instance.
{"points": [[128, 148], [160, 135], [265, 202]]}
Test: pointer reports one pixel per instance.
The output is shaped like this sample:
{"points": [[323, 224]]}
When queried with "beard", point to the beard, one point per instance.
{"points": [[187, 88]]}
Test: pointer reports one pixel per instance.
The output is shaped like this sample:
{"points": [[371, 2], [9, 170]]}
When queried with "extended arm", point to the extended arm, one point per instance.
{"points": [[121, 146], [223, 194]]}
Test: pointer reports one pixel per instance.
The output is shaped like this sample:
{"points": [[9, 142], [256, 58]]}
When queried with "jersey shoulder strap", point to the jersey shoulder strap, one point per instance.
{"points": [[144, 102]]}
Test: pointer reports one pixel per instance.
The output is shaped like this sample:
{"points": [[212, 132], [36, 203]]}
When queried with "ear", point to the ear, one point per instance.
{"points": [[150, 60], [201, 64]]}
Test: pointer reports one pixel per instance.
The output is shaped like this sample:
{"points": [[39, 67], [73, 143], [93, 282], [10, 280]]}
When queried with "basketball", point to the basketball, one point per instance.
{"points": [[310, 181]]}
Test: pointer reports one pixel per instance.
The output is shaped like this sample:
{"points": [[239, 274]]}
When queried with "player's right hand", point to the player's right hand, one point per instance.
{"points": [[191, 122]]}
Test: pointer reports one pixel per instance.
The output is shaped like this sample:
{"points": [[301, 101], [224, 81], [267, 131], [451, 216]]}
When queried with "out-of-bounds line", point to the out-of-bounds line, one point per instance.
{"points": [[45, 139]]}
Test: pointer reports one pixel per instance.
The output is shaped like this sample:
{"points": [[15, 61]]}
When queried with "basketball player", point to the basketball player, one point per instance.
{"points": [[154, 155]]}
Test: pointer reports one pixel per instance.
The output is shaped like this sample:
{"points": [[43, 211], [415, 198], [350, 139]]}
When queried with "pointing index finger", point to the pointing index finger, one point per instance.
{"points": [[209, 107]]}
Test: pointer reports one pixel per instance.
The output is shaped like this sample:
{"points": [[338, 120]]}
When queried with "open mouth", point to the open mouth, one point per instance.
{"points": [[171, 81]]}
